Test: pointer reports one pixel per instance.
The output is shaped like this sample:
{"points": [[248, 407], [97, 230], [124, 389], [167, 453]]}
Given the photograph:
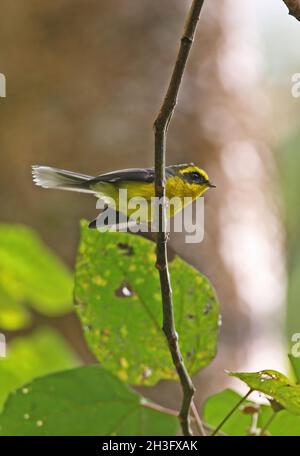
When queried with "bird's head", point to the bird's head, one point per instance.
{"points": [[194, 175]]}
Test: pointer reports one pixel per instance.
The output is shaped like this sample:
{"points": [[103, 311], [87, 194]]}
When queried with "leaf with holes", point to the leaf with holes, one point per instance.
{"points": [[83, 401], [117, 295], [275, 385]]}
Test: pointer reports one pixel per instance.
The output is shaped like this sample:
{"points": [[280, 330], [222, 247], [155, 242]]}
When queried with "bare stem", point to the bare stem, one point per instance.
{"points": [[159, 408], [198, 420], [160, 127]]}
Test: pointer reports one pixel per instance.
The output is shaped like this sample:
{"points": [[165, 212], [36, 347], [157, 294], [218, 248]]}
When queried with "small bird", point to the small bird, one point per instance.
{"points": [[182, 181]]}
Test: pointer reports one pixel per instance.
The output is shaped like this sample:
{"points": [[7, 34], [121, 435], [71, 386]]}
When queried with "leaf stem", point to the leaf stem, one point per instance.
{"points": [[159, 408], [215, 432], [168, 411], [161, 124]]}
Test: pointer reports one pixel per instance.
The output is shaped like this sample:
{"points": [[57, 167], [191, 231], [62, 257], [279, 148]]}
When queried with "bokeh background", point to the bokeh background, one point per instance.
{"points": [[85, 80]]}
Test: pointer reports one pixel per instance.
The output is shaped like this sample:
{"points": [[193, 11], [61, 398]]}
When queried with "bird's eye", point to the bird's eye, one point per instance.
{"points": [[197, 178]]}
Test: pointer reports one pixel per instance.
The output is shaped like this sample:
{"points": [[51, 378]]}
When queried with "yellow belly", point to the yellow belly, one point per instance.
{"points": [[175, 187]]}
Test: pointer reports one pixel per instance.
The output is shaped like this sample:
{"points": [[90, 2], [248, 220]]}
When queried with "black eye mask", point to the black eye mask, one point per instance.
{"points": [[195, 178]]}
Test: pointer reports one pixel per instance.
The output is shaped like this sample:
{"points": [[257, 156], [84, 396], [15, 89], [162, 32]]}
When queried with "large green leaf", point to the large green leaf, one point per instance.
{"points": [[285, 424], [118, 299], [31, 274], [29, 357], [82, 401], [218, 406], [275, 385]]}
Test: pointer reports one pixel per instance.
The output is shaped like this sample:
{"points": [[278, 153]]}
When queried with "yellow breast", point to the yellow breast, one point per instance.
{"points": [[175, 186]]}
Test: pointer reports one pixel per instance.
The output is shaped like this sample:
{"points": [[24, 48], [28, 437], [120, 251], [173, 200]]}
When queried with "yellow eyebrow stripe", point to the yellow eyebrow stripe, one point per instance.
{"points": [[190, 169]]}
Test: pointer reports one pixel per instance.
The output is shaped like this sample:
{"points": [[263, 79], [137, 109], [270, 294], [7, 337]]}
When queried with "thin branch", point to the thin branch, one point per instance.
{"points": [[294, 8], [159, 408], [198, 420], [168, 411], [231, 413], [160, 127]]}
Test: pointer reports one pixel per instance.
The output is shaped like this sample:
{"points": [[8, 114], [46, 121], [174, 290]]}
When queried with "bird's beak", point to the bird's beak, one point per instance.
{"points": [[211, 185]]}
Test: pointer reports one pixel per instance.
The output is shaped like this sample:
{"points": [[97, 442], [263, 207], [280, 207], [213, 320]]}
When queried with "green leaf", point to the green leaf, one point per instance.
{"points": [[275, 385], [117, 295], [295, 362], [285, 424], [82, 401], [42, 352], [30, 273], [218, 406]]}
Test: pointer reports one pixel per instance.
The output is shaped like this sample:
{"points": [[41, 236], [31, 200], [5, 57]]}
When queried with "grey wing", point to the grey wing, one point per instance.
{"points": [[133, 174]]}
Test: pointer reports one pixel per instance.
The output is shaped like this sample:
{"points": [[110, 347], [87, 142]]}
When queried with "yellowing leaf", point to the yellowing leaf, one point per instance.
{"points": [[117, 296]]}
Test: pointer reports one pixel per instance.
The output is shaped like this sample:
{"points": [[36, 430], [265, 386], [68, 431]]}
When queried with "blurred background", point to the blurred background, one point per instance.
{"points": [[85, 80]]}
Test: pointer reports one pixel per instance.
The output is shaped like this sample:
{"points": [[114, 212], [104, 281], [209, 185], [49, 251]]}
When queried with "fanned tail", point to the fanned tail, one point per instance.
{"points": [[48, 177]]}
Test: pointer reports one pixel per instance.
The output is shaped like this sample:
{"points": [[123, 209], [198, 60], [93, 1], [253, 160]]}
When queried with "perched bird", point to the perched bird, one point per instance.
{"points": [[185, 181]]}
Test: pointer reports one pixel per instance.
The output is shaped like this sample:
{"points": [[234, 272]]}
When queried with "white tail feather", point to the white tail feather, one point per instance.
{"points": [[48, 177]]}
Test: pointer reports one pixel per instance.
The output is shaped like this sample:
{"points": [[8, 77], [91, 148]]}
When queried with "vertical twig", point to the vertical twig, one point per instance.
{"points": [[160, 127]]}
